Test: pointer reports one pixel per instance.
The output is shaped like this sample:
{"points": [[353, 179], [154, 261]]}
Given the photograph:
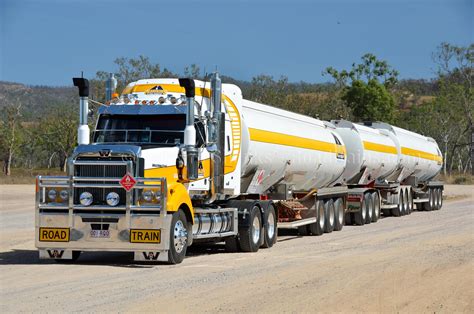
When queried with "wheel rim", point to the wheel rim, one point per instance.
{"points": [[431, 198], [332, 215], [376, 206], [321, 217], [405, 202], [364, 211], [369, 208], [255, 229], [400, 203], [180, 236], [271, 225], [410, 201], [340, 214]]}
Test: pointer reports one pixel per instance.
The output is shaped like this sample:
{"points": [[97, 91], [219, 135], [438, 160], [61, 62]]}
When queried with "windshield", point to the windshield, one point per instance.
{"points": [[141, 129]]}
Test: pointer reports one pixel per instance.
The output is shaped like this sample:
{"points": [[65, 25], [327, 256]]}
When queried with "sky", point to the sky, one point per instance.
{"points": [[47, 42]]}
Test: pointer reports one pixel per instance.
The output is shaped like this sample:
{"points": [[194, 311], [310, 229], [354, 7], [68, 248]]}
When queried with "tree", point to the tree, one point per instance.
{"points": [[366, 88], [10, 137]]}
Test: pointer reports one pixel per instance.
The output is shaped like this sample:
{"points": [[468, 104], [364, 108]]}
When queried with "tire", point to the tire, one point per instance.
{"points": [[339, 211], [232, 245], [178, 237], [250, 236], [440, 198], [406, 204], [376, 207], [398, 211], [411, 206], [318, 227], [369, 207], [360, 216], [330, 215], [348, 219], [429, 206], [270, 230]]}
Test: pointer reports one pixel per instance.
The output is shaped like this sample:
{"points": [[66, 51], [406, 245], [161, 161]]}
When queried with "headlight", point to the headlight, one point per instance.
{"points": [[64, 194], [148, 196], [113, 199], [86, 198], [52, 195]]}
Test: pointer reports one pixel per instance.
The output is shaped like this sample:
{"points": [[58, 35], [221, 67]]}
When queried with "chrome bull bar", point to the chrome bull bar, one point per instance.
{"points": [[136, 215]]}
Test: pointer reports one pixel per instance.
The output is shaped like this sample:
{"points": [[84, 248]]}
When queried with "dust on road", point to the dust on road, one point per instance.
{"points": [[423, 262]]}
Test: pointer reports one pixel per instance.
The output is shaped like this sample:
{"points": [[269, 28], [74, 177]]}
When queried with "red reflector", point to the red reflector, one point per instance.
{"points": [[263, 197]]}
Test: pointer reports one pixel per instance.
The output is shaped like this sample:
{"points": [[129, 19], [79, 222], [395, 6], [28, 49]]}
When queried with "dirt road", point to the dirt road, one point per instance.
{"points": [[418, 263]]}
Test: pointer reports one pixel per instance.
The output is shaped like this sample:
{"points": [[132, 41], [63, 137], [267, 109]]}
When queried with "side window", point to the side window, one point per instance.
{"points": [[336, 139], [200, 133]]}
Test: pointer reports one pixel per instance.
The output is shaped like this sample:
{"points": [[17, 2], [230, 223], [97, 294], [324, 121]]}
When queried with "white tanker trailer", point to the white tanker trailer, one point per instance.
{"points": [[172, 162]]}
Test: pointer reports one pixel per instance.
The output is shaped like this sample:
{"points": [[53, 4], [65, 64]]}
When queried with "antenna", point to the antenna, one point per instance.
{"points": [[82, 74]]}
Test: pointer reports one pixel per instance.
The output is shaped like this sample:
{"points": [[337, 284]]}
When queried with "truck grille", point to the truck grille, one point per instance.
{"points": [[98, 171]]}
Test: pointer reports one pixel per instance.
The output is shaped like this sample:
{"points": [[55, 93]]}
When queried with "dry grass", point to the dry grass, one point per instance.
{"points": [[457, 179], [27, 176]]}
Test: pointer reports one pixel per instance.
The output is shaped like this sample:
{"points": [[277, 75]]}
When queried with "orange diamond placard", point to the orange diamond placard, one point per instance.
{"points": [[128, 182]]}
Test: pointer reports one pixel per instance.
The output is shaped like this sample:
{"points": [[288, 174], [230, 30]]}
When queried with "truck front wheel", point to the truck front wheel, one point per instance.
{"points": [[178, 237]]}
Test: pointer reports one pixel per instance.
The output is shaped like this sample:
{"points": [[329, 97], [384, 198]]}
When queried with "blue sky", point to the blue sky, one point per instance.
{"points": [[47, 42]]}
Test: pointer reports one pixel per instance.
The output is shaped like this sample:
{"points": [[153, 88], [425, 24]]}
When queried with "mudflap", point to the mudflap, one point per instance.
{"points": [[55, 254], [150, 256]]}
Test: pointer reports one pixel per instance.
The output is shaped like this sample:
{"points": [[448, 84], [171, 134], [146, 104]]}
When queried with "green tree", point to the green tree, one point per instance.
{"points": [[365, 88], [10, 133]]}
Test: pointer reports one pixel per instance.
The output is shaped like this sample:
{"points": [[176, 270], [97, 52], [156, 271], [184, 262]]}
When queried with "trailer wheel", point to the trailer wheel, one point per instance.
{"points": [[406, 204], [410, 200], [339, 210], [440, 198], [348, 219], [430, 205], [250, 236], [178, 237], [361, 215], [398, 211], [330, 213], [317, 228], [369, 207], [376, 207], [270, 229]]}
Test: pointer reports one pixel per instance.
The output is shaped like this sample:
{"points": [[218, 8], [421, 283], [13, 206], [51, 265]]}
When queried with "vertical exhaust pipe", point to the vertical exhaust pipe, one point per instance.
{"points": [[192, 161], [216, 130], [110, 86], [83, 132]]}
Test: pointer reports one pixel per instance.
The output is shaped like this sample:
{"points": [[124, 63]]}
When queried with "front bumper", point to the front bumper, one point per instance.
{"points": [[81, 223]]}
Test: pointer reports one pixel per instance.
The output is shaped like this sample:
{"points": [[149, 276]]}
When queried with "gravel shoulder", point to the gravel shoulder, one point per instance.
{"points": [[418, 263]]}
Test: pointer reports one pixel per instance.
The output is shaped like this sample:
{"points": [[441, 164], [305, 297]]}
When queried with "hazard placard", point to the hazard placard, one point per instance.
{"points": [[128, 182]]}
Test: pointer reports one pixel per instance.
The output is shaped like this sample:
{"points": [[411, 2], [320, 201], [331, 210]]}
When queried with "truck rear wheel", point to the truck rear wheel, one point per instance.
{"points": [[330, 215], [339, 210], [360, 216], [270, 229], [376, 207], [250, 236], [369, 206], [232, 245], [178, 238]]}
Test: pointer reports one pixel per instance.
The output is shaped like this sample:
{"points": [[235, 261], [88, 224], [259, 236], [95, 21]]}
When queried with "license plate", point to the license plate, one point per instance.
{"points": [[54, 234], [145, 235], [100, 234]]}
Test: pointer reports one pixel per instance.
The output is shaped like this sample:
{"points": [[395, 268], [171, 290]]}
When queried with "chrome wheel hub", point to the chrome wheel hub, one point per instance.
{"points": [[180, 236], [255, 229], [271, 225]]}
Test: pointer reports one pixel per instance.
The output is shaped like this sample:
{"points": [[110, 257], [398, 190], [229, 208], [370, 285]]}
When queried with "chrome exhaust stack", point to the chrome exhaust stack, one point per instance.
{"points": [[83, 132], [192, 160], [216, 145], [110, 86]]}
